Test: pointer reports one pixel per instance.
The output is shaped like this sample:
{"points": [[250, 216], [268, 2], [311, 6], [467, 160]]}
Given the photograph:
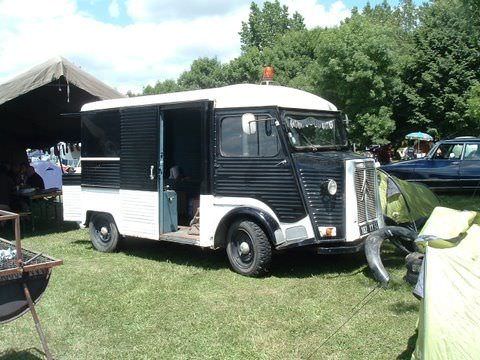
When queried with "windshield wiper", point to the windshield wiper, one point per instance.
{"points": [[309, 143]]}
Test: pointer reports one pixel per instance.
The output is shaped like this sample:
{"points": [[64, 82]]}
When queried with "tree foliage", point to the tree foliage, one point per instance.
{"points": [[204, 73], [444, 65], [162, 87], [358, 67], [473, 104], [265, 26]]}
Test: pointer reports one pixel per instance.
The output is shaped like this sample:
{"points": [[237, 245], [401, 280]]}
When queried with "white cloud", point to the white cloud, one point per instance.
{"points": [[114, 9], [156, 10], [316, 14], [34, 9], [128, 56]]}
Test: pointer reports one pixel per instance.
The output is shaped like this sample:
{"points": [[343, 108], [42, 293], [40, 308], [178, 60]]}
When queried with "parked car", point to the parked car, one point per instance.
{"points": [[450, 165]]}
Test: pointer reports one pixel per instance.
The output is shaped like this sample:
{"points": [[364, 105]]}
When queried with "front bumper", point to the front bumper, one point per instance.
{"points": [[328, 247], [342, 247]]}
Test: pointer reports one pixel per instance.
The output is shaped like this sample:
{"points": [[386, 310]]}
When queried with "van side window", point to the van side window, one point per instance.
{"points": [[101, 134], [260, 141]]}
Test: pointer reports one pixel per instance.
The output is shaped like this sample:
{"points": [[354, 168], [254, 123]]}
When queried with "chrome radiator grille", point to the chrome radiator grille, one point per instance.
{"points": [[365, 189]]}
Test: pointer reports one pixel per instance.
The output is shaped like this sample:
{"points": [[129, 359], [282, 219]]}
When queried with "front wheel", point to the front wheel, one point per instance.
{"points": [[248, 248], [103, 232]]}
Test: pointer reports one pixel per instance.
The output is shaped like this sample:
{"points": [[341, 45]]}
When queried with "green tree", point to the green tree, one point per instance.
{"points": [[162, 87], [265, 26], [358, 66], [246, 68], [473, 104], [291, 56], [204, 73], [444, 65]]}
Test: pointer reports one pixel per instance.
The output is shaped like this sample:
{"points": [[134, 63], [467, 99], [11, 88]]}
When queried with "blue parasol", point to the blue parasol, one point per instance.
{"points": [[419, 136]]}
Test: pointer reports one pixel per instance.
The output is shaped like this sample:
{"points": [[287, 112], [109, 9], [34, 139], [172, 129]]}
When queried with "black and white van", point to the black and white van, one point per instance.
{"points": [[249, 168]]}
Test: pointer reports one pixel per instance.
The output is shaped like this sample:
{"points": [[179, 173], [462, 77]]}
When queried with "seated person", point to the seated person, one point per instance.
{"points": [[33, 179], [439, 154]]}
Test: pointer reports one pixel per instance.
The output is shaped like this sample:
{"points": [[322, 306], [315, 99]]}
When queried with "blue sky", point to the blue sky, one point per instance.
{"points": [[131, 43], [100, 8]]}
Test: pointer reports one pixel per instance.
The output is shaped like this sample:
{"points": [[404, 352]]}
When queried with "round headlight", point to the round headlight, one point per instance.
{"points": [[332, 187]]}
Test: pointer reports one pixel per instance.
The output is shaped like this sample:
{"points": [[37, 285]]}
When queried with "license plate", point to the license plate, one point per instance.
{"points": [[368, 227]]}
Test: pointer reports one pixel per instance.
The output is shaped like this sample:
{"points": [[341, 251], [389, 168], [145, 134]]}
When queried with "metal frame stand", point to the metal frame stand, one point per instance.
{"points": [[36, 320], [22, 268]]}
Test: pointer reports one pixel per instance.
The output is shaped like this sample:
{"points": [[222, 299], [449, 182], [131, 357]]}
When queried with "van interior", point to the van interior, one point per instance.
{"points": [[183, 159]]}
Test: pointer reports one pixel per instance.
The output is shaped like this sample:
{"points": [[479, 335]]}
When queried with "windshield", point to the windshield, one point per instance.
{"points": [[315, 131]]}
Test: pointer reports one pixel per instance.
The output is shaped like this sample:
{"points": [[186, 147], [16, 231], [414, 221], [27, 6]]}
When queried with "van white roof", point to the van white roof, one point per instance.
{"points": [[233, 96]]}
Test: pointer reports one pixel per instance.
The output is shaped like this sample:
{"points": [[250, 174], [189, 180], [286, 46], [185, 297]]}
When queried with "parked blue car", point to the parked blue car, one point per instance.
{"points": [[450, 165]]}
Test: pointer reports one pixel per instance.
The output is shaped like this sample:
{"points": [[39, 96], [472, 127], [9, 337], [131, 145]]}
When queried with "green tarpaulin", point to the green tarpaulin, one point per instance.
{"points": [[449, 321], [405, 203]]}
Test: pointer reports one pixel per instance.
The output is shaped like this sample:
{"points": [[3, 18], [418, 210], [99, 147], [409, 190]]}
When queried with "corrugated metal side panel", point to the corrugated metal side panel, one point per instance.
{"points": [[140, 216], [71, 179], [261, 179], [324, 209], [100, 173], [72, 202], [139, 148]]}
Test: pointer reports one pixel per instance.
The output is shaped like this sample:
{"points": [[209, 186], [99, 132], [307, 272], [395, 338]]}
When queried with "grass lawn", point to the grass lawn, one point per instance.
{"points": [[165, 301]]}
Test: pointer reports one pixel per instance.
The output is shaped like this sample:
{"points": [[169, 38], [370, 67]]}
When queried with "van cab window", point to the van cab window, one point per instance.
{"points": [[448, 152], [245, 137], [308, 131]]}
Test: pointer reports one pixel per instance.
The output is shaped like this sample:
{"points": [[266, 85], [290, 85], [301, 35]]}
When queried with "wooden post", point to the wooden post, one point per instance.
{"points": [[18, 243]]}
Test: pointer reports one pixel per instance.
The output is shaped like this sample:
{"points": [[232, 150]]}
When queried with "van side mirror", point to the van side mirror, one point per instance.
{"points": [[249, 124], [345, 119]]}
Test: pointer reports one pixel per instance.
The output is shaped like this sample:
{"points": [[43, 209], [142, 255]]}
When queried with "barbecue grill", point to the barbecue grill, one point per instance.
{"points": [[23, 279]]}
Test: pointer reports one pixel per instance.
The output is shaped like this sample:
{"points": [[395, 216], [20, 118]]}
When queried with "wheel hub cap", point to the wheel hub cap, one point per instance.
{"points": [[104, 231], [244, 248]]}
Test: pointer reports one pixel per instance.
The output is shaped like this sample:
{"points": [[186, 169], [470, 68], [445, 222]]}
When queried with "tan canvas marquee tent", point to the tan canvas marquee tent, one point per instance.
{"points": [[32, 104]]}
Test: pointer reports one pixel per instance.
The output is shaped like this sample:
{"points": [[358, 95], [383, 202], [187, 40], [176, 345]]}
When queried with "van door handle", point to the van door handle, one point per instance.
{"points": [[281, 163], [152, 167], [455, 162]]}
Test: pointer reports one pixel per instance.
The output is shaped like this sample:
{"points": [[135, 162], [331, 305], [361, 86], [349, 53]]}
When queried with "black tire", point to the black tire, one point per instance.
{"points": [[254, 261], [103, 232]]}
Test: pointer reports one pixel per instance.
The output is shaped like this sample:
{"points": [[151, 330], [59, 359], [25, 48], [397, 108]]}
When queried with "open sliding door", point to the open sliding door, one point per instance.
{"points": [[140, 171]]}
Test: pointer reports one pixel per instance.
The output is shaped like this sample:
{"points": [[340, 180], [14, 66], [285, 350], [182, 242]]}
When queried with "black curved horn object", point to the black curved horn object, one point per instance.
{"points": [[373, 245]]}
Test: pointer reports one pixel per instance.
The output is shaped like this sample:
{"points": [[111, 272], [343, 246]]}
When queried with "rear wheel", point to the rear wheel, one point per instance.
{"points": [[103, 232], [248, 248]]}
